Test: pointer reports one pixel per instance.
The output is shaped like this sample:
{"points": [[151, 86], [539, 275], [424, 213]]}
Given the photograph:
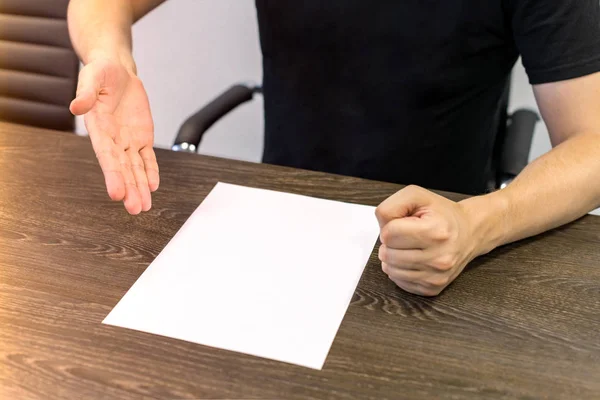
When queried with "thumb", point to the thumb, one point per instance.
{"points": [[403, 203], [91, 79]]}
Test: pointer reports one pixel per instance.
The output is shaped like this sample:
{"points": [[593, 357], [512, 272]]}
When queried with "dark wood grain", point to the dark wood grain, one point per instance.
{"points": [[522, 322]]}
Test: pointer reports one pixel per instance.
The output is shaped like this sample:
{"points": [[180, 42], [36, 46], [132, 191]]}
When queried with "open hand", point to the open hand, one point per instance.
{"points": [[119, 122]]}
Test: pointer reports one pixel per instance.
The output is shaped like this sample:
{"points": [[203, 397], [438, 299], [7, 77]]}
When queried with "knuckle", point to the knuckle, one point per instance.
{"points": [[382, 213], [386, 268], [441, 232], [381, 253], [438, 281], [412, 188], [444, 263], [378, 211], [386, 234]]}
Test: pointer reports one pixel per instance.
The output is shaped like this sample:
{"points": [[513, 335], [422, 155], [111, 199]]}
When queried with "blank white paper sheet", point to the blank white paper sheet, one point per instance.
{"points": [[255, 271]]}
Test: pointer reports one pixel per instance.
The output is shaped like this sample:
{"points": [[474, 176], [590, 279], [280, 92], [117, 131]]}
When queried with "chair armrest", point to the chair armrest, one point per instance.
{"points": [[191, 132], [517, 142]]}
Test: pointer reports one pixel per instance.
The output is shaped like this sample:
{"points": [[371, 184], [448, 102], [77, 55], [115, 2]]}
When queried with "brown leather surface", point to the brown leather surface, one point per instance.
{"points": [[48, 31], [35, 8], [36, 87], [46, 60], [38, 68], [36, 114]]}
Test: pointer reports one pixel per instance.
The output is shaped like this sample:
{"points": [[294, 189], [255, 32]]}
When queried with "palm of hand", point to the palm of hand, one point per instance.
{"points": [[122, 132]]}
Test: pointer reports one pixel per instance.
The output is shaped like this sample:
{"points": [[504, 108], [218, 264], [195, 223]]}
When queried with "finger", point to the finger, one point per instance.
{"points": [[151, 166], [415, 288], [89, 83], [403, 203], [108, 155], [111, 168], [404, 259], [406, 233], [132, 202], [139, 173], [408, 275], [427, 279]]}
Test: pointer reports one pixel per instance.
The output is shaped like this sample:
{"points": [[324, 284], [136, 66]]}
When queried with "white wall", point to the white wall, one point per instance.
{"points": [[188, 51]]}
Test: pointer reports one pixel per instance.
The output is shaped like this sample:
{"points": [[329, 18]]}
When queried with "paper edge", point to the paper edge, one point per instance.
{"points": [[321, 363]]}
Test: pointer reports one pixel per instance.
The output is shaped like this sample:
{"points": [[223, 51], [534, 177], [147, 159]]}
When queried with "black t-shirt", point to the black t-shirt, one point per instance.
{"points": [[409, 91]]}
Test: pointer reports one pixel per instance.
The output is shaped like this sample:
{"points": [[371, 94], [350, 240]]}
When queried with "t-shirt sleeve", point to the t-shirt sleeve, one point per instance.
{"points": [[557, 39]]}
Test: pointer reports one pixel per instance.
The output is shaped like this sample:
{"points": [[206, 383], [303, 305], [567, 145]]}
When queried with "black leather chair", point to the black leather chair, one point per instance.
{"points": [[510, 155], [38, 67]]}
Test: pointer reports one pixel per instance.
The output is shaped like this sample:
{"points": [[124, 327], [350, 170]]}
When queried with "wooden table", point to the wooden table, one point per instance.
{"points": [[522, 322]]}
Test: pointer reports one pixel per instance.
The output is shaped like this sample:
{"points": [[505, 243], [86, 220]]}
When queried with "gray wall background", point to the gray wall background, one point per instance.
{"points": [[188, 51]]}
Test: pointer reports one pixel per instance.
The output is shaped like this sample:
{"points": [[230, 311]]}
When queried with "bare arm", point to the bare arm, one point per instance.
{"points": [[560, 186], [113, 99], [102, 28], [427, 240]]}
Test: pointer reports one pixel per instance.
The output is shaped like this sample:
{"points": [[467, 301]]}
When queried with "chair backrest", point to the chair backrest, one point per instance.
{"points": [[513, 142], [38, 67], [495, 162]]}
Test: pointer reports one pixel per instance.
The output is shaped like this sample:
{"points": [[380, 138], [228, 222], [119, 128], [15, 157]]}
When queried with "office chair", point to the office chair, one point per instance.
{"points": [[38, 67], [510, 153]]}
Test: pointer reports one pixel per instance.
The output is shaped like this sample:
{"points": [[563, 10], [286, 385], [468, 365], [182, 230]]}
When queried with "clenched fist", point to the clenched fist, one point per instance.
{"points": [[426, 240]]}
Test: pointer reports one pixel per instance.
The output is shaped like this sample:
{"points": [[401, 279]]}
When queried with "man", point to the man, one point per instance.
{"points": [[404, 91]]}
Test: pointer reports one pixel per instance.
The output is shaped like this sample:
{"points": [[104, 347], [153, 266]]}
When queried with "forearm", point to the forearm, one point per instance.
{"points": [[102, 28], [557, 188]]}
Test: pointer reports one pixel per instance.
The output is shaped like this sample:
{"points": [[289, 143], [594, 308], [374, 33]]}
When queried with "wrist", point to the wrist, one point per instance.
{"points": [[124, 58], [488, 220]]}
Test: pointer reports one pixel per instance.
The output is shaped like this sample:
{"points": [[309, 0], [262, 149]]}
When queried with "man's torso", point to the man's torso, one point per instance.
{"points": [[402, 91]]}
